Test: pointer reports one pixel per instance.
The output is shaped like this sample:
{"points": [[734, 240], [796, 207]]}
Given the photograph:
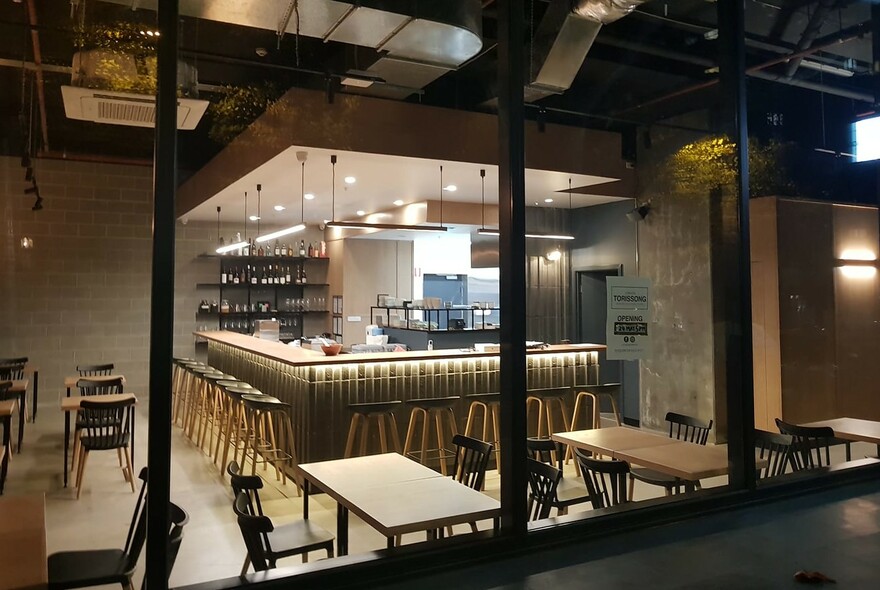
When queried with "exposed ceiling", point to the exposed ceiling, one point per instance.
{"points": [[642, 69], [379, 181]]}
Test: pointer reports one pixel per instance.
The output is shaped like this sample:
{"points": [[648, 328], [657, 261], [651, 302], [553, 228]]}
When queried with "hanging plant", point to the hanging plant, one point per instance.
{"points": [[239, 107], [118, 56]]}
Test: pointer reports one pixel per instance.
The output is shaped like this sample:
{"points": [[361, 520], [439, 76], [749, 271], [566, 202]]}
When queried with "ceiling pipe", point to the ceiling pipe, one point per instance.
{"points": [[811, 31], [849, 34], [38, 70]]}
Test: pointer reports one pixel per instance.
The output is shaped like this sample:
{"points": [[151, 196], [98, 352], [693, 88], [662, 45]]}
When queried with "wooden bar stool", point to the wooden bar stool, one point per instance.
{"points": [[545, 400], [428, 408], [177, 374], [363, 414], [214, 409], [593, 394], [187, 393], [488, 405], [233, 429], [200, 405], [265, 415]]}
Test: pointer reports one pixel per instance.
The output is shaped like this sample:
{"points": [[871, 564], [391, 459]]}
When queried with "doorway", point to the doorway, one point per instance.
{"points": [[591, 314]]}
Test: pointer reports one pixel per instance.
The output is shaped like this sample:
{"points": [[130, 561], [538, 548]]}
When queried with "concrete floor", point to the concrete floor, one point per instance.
{"points": [[212, 547]]}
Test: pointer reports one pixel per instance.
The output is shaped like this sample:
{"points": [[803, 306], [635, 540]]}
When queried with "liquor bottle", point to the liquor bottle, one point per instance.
{"points": [[254, 277], [284, 249], [235, 279], [282, 279], [287, 275], [260, 251], [223, 276], [311, 252], [298, 271], [264, 280], [303, 276], [275, 278], [277, 249], [323, 253]]}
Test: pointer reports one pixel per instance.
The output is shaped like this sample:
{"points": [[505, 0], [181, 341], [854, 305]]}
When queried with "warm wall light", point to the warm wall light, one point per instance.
{"points": [[857, 263], [27, 243], [858, 272], [554, 255], [857, 254]]}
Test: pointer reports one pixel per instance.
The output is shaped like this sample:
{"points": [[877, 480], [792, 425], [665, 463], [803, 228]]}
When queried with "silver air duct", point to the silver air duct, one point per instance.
{"points": [[605, 11]]}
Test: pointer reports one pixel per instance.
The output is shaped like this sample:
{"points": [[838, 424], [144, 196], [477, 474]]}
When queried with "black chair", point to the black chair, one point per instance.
{"points": [[471, 459], [605, 480], [11, 371], [808, 444], [81, 569], [179, 518], [543, 483], [95, 370], [776, 450], [681, 427], [265, 543], [107, 427], [569, 492], [89, 387]]}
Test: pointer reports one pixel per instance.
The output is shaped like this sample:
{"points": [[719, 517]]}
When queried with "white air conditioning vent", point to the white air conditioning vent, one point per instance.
{"points": [[121, 108]]}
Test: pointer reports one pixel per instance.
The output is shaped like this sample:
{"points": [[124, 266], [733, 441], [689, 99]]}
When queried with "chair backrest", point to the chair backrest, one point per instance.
{"points": [[100, 387], [688, 428], [254, 531], [605, 480], [543, 482], [543, 449], [106, 425], [776, 450], [94, 370], [5, 386], [471, 459], [137, 530], [808, 444], [178, 519], [11, 371], [18, 360]]}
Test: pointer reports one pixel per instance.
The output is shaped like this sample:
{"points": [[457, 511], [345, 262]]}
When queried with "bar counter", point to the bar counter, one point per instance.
{"points": [[320, 388]]}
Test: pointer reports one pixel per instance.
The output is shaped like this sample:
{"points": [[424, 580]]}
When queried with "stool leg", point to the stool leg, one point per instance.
{"points": [[496, 421], [395, 436], [352, 432], [425, 427], [364, 432], [410, 430], [438, 422], [564, 411], [273, 442], [470, 418], [383, 441]]}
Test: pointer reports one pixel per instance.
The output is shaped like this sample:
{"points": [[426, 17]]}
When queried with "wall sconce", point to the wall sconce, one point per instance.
{"points": [[857, 265], [27, 243], [553, 255]]}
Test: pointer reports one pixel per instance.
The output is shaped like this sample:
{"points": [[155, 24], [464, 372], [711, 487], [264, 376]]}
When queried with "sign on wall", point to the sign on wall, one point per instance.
{"points": [[629, 318]]}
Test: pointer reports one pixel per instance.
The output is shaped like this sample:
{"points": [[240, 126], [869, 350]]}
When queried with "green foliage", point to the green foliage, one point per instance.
{"points": [[239, 107], [123, 37]]}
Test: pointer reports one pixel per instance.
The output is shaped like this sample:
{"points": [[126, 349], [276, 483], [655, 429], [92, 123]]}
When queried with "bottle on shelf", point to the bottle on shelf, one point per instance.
{"points": [[303, 276], [284, 249], [323, 253], [287, 275], [302, 248], [260, 251], [277, 249], [264, 280], [311, 251], [254, 278], [279, 271], [236, 278], [223, 277]]}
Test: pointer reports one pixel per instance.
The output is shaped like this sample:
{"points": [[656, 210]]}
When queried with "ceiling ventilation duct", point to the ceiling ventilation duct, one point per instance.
{"points": [[563, 39], [417, 42]]}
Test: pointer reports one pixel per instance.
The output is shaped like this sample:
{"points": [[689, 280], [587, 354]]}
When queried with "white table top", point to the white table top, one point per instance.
{"points": [[852, 429]]}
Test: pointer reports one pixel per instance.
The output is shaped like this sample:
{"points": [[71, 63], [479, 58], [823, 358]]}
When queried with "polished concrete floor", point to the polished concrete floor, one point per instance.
{"points": [[212, 547]]}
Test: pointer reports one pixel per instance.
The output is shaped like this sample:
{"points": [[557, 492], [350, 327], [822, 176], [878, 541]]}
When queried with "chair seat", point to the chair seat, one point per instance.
{"points": [[433, 402], [262, 401], [298, 537], [373, 408], [81, 569], [549, 393], [102, 444], [485, 398], [655, 477], [571, 491]]}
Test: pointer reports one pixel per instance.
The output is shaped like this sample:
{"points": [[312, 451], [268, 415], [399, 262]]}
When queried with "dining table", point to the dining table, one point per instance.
{"points": [[72, 405], [851, 430], [394, 495], [23, 560]]}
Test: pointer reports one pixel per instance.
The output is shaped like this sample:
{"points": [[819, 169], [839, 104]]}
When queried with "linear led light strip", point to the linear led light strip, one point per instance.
{"points": [[301, 156], [495, 232]]}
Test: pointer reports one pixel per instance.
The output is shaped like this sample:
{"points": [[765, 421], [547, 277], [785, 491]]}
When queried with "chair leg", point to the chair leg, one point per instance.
{"points": [[395, 436], [364, 432], [352, 432], [438, 422], [82, 471], [383, 439], [246, 565], [632, 487], [130, 474]]}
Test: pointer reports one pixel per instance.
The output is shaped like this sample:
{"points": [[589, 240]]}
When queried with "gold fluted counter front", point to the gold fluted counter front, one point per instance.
{"points": [[320, 388]]}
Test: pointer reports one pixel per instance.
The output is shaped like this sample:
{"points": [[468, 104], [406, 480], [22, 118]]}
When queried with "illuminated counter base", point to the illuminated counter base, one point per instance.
{"points": [[321, 388]]}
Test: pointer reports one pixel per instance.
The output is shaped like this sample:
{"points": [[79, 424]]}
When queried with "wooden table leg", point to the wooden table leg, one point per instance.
{"points": [[36, 395], [341, 530], [306, 490], [66, 443], [21, 414]]}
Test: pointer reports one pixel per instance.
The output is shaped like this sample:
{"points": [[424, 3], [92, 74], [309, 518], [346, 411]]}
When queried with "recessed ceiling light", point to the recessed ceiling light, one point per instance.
{"points": [[548, 200], [398, 203], [361, 212], [451, 188], [350, 180], [308, 196], [280, 207], [253, 218]]}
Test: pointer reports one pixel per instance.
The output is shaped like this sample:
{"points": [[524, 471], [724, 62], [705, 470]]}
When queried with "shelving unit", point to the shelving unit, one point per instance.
{"points": [[474, 324], [288, 302]]}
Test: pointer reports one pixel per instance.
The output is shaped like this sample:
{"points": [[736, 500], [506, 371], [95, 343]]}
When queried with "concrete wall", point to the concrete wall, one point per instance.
{"points": [[81, 295]]}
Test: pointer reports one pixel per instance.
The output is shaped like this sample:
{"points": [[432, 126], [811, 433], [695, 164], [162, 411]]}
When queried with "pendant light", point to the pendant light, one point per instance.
{"points": [[538, 236], [302, 157], [220, 242], [242, 243], [394, 226]]}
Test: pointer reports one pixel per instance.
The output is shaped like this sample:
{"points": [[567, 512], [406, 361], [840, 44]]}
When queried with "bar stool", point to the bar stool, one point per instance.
{"points": [[213, 409], [199, 406], [187, 392], [263, 413], [489, 405], [427, 408], [595, 393], [545, 400], [177, 373], [364, 414], [232, 429]]}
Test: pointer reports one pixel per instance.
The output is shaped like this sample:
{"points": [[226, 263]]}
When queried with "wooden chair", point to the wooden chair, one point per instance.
{"points": [[179, 518], [681, 427], [95, 370], [569, 492], [265, 543], [776, 450], [543, 483], [88, 388], [15, 372], [82, 569], [808, 444], [107, 427], [471, 459], [605, 480]]}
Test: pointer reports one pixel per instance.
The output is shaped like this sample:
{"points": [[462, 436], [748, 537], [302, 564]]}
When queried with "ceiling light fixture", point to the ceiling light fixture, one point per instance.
{"points": [[451, 188], [482, 199], [392, 226], [360, 212], [535, 235], [254, 218], [308, 196], [398, 203], [280, 208], [301, 157], [350, 180], [548, 200]]}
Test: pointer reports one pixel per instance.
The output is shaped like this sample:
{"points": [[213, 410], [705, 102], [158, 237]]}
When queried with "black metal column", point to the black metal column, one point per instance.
{"points": [[512, 249], [737, 314], [875, 42], [162, 299]]}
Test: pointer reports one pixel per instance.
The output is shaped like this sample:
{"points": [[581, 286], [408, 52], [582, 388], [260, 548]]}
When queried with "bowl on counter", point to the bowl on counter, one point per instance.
{"points": [[331, 349]]}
